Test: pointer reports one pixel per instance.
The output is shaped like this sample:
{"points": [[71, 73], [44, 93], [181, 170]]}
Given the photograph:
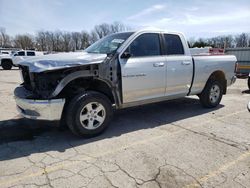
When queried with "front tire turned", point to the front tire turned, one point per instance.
{"points": [[212, 94], [88, 114]]}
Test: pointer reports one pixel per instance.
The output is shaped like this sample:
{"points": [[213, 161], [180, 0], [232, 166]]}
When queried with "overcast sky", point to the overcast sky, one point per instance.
{"points": [[197, 18]]}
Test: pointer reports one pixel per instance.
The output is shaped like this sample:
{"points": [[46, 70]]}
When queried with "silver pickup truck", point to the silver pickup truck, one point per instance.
{"points": [[121, 70]]}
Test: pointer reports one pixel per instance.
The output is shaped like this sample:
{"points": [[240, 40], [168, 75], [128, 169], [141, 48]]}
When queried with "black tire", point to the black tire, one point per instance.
{"points": [[74, 110], [206, 99], [248, 83], [6, 64]]}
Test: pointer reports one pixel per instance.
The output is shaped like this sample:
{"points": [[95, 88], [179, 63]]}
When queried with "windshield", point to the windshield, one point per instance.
{"points": [[109, 44]]}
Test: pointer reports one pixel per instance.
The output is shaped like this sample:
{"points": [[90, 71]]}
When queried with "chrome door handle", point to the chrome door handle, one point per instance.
{"points": [[186, 63], [159, 64]]}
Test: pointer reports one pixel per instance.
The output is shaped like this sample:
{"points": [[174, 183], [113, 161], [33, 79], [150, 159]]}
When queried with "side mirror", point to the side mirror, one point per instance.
{"points": [[125, 55]]}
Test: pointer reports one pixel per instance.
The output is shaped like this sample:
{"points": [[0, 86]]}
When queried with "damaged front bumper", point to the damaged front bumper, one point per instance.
{"points": [[38, 109]]}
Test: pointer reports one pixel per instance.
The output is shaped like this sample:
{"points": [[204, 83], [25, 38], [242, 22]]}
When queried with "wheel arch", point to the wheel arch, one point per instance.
{"points": [[219, 76], [6, 59], [83, 83]]}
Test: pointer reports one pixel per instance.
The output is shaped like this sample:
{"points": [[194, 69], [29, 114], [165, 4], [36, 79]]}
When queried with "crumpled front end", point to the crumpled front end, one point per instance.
{"points": [[47, 82], [50, 109], [59, 61]]}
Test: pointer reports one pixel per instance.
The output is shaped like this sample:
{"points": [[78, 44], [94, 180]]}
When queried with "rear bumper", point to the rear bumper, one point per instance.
{"points": [[242, 75], [38, 109]]}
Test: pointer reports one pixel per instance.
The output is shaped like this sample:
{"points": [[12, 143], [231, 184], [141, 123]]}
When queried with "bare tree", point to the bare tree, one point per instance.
{"points": [[76, 40], [50, 41], [241, 40], [102, 30], [24, 41], [85, 40], [41, 41], [58, 41], [4, 38], [66, 39], [248, 40], [105, 29], [200, 43], [229, 41], [93, 37], [118, 27]]}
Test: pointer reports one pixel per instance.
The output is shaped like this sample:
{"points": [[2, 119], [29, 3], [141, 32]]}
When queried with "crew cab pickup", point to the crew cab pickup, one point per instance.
{"points": [[119, 71], [7, 61]]}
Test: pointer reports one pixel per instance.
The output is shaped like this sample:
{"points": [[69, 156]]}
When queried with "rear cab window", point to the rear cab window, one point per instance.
{"points": [[173, 44]]}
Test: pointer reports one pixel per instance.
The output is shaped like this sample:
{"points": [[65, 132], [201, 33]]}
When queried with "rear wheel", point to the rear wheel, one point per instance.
{"points": [[6, 64], [212, 94], [88, 114]]}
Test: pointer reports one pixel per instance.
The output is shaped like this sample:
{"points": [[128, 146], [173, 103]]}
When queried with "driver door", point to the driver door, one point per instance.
{"points": [[144, 72]]}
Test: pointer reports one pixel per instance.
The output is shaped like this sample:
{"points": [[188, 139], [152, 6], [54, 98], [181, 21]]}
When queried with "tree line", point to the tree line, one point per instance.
{"points": [[63, 41], [59, 41], [226, 41]]}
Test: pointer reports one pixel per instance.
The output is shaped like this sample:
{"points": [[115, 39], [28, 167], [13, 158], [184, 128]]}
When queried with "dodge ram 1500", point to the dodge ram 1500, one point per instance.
{"points": [[121, 70]]}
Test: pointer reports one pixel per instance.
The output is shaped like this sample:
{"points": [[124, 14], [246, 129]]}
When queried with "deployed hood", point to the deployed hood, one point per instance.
{"points": [[62, 60]]}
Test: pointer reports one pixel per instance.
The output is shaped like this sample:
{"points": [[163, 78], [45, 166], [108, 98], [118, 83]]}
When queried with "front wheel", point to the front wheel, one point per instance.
{"points": [[88, 114], [212, 94], [6, 64]]}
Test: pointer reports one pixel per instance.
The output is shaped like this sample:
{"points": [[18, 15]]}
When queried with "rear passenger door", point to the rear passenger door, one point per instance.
{"points": [[179, 67], [143, 74]]}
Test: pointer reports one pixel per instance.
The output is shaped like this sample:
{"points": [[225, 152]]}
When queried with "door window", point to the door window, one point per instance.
{"points": [[22, 53], [145, 45]]}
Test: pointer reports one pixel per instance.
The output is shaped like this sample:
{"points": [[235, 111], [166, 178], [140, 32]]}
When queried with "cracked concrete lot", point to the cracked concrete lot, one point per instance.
{"points": [[171, 144]]}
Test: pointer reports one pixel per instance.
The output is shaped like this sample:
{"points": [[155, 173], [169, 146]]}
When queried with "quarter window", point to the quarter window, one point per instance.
{"points": [[145, 45], [173, 44]]}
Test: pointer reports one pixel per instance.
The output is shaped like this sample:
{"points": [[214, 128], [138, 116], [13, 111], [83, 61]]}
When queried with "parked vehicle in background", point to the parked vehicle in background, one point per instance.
{"points": [[119, 71], [243, 62], [206, 51], [8, 59], [24, 54], [5, 53], [200, 51]]}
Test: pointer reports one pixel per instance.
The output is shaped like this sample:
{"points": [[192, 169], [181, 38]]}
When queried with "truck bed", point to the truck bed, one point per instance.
{"points": [[205, 65]]}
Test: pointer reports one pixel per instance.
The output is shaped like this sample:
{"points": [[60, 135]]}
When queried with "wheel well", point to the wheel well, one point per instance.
{"points": [[102, 87], [6, 60], [87, 84], [220, 77], [3, 60]]}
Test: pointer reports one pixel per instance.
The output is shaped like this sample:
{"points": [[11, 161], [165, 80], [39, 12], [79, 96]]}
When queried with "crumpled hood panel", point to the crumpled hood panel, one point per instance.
{"points": [[61, 61]]}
